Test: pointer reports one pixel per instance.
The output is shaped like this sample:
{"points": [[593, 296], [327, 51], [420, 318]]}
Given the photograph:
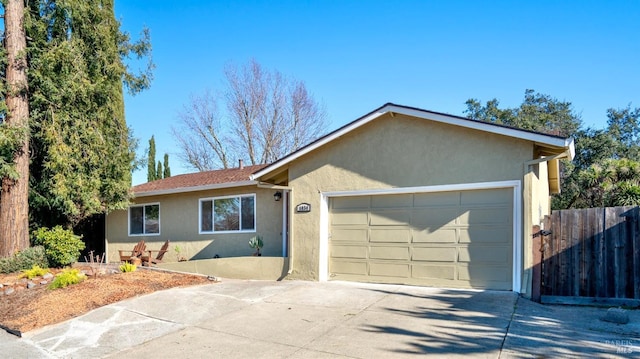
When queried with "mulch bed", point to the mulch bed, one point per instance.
{"points": [[28, 309]]}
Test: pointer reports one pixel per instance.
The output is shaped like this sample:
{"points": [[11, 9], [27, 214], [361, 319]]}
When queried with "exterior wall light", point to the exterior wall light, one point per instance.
{"points": [[277, 196]]}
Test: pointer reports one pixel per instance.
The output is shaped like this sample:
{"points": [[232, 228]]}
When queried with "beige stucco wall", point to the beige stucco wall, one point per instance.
{"points": [[258, 268], [392, 152], [537, 205], [179, 224]]}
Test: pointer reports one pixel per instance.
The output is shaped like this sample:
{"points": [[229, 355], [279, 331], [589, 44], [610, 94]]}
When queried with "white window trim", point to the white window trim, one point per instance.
{"points": [[143, 226], [255, 214], [515, 185]]}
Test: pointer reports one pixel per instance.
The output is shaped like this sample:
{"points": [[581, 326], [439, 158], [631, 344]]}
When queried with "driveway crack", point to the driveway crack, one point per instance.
{"points": [[506, 333]]}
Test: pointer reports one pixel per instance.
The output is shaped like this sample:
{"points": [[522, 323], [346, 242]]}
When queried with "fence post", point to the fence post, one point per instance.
{"points": [[536, 280]]}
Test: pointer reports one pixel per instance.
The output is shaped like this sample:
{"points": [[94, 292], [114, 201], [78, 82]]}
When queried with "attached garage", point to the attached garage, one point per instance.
{"points": [[461, 238], [405, 195]]}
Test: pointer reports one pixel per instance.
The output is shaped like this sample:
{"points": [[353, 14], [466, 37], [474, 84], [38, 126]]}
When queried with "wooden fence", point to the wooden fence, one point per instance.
{"points": [[592, 253]]}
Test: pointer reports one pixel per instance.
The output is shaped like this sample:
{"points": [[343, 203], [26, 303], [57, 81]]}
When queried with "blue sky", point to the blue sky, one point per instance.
{"points": [[354, 56]]}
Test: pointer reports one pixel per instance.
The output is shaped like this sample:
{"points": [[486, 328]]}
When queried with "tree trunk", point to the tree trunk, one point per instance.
{"points": [[14, 205]]}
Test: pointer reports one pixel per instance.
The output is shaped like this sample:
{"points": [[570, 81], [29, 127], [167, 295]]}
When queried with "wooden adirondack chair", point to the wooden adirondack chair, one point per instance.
{"points": [[137, 252], [147, 258]]}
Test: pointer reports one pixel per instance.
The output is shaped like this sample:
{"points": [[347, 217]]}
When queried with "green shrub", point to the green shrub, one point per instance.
{"points": [[61, 246], [67, 277], [127, 267], [35, 271], [33, 256]]}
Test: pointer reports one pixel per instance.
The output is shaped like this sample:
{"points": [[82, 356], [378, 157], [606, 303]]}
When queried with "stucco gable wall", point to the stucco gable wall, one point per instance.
{"points": [[179, 224], [395, 152]]}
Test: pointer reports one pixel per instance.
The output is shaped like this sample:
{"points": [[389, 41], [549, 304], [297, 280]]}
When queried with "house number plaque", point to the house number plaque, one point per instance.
{"points": [[303, 207]]}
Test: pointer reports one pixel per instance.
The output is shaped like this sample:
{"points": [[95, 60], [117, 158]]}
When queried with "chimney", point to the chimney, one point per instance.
{"points": [[240, 165]]}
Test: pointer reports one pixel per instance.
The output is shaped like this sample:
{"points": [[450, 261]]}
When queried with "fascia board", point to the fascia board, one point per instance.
{"points": [[427, 115], [303, 151], [196, 188], [486, 127]]}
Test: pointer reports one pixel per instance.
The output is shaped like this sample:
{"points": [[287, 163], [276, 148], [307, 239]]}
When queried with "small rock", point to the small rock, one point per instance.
{"points": [[30, 285], [44, 282], [1, 285], [616, 315], [9, 291], [114, 271], [213, 279], [47, 276]]}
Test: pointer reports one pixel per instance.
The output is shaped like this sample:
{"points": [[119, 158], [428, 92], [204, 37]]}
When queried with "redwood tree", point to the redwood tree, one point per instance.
{"points": [[14, 206]]}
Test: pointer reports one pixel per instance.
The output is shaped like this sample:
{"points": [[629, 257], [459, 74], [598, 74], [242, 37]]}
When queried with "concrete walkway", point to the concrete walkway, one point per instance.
{"points": [[294, 319]]}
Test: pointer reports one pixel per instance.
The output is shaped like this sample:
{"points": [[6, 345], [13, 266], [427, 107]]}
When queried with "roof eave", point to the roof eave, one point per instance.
{"points": [[195, 188], [548, 140]]}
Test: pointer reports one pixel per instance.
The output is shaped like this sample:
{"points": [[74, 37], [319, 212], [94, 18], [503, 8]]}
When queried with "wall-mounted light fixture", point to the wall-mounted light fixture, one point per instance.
{"points": [[277, 196]]}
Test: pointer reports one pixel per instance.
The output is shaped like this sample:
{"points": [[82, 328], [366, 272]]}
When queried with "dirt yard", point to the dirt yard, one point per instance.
{"points": [[28, 309]]}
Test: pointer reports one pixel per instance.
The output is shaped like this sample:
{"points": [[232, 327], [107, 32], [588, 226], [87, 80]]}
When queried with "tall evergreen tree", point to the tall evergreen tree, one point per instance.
{"points": [[14, 139], [167, 170], [159, 170], [152, 173], [606, 168], [82, 148]]}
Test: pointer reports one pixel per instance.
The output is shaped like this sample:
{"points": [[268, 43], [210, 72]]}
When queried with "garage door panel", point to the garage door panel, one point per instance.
{"points": [[390, 218], [479, 273], [350, 202], [350, 235], [434, 271], [480, 254], [392, 201], [358, 252], [435, 254], [350, 218], [501, 215], [438, 217], [389, 270], [347, 267], [387, 252], [390, 235], [435, 235], [436, 199], [480, 235], [457, 238]]}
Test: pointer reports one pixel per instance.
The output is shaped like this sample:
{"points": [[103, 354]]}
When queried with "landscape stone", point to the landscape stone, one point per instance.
{"points": [[30, 285], [44, 282], [47, 276], [9, 291], [616, 315], [1, 285]]}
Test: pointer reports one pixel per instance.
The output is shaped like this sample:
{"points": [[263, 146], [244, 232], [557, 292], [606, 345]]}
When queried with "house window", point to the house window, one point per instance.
{"points": [[228, 214], [144, 219]]}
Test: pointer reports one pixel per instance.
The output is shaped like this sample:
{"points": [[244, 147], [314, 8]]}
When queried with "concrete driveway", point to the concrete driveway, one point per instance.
{"points": [[294, 319]]}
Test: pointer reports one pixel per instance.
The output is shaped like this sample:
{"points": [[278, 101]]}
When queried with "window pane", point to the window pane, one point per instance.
{"points": [[226, 214], [206, 214], [248, 214], [136, 220], [152, 219]]}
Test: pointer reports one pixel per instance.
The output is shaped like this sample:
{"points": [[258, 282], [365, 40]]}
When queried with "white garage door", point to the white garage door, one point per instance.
{"points": [[451, 239]]}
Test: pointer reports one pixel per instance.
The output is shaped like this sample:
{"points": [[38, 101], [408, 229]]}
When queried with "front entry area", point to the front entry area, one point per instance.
{"points": [[447, 239]]}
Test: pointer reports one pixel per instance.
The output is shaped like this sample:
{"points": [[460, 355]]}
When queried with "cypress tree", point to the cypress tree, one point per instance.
{"points": [[167, 170], [152, 173]]}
